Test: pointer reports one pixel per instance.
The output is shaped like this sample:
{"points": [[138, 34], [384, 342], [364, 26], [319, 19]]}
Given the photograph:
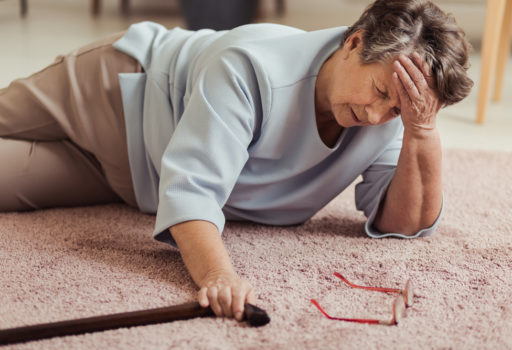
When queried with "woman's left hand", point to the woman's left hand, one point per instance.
{"points": [[418, 98]]}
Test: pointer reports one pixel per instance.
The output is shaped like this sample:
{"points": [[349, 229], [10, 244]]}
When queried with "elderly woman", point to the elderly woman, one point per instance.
{"points": [[265, 123]]}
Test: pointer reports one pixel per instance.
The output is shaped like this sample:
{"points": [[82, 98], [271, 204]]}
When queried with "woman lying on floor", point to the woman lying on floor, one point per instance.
{"points": [[265, 123]]}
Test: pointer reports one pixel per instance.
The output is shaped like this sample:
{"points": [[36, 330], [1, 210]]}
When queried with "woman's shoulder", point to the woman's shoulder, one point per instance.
{"points": [[283, 54]]}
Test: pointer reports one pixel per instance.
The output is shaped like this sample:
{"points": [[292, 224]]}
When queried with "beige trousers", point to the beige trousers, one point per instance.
{"points": [[62, 132]]}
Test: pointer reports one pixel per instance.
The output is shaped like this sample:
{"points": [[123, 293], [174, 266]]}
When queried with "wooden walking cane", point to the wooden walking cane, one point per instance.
{"points": [[253, 314]]}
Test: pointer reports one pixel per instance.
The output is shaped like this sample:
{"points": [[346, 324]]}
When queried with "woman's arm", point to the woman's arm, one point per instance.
{"points": [[211, 269], [414, 197]]}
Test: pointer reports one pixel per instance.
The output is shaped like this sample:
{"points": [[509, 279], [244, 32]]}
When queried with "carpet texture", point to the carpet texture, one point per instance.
{"points": [[79, 262]]}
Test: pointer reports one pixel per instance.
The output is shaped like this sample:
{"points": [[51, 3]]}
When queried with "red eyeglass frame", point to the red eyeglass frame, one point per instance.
{"points": [[399, 304]]}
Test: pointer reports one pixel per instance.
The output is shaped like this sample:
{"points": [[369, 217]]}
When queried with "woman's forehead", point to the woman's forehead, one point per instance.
{"points": [[383, 72]]}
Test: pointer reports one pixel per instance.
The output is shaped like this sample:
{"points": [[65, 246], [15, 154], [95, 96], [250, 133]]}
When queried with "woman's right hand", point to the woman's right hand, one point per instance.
{"points": [[209, 264], [225, 293]]}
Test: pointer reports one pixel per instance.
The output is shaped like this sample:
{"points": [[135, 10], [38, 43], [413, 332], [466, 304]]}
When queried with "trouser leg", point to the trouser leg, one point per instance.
{"points": [[44, 174], [77, 101]]}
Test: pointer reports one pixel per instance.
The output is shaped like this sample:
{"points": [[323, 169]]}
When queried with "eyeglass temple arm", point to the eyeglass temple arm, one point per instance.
{"points": [[357, 320], [378, 289]]}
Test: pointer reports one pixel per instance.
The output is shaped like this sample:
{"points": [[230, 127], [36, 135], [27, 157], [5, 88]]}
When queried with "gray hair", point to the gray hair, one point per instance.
{"points": [[391, 27]]}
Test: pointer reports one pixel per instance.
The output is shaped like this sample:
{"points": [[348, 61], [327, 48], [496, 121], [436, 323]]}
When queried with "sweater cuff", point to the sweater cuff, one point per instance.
{"points": [[424, 232], [186, 208]]}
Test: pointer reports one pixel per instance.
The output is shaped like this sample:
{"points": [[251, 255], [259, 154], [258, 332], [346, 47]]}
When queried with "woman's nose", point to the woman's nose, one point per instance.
{"points": [[378, 114], [375, 115]]}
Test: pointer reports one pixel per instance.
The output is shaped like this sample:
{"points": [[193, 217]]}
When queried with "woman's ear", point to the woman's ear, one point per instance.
{"points": [[353, 44]]}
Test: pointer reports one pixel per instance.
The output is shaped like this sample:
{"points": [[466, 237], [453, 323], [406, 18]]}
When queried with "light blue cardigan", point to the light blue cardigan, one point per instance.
{"points": [[221, 125]]}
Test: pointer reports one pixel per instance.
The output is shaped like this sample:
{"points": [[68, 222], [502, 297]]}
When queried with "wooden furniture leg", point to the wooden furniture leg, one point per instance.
{"points": [[125, 7], [493, 25], [24, 7], [95, 7], [280, 7], [503, 51]]}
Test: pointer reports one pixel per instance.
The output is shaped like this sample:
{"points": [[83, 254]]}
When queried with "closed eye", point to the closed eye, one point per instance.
{"points": [[381, 93]]}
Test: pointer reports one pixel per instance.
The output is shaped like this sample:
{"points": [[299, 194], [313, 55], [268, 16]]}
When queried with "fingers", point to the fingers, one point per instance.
{"points": [[251, 297], [421, 65], [424, 67], [403, 69], [415, 69], [419, 102], [238, 303], [242, 295], [220, 300], [202, 297], [227, 300], [402, 93], [212, 294]]}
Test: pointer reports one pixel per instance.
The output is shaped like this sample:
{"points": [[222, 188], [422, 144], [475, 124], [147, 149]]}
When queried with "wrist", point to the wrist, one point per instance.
{"points": [[421, 132], [218, 276], [421, 126], [202, 250]]}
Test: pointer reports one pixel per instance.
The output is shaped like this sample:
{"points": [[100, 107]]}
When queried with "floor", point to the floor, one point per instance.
{"points": [[53, 27]]}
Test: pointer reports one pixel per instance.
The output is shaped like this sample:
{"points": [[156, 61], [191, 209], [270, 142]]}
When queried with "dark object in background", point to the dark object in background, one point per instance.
{"points": [[218, 14], [96, 7], [24, 7], [280, 6]]}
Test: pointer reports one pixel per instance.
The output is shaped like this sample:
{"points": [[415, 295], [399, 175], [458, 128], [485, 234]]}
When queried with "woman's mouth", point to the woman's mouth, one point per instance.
{"points": [[354, 116]]}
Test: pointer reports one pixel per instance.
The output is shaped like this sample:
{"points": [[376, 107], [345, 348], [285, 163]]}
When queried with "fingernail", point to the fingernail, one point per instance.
{"points": [[238, 316]]}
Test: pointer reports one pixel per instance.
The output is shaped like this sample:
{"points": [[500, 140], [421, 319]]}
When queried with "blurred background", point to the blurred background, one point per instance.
{"points": [[48, 28]]}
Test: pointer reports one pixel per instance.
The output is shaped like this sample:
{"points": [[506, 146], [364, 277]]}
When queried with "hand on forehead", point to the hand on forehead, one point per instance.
{"points": [[415, 85]]}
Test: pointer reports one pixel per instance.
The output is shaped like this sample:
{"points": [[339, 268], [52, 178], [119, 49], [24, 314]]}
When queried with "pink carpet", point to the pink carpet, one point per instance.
{"points": [[68, 263]]}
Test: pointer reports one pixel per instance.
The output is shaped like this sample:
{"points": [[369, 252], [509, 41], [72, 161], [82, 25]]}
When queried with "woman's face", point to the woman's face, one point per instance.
{"points": [[357, 94]]}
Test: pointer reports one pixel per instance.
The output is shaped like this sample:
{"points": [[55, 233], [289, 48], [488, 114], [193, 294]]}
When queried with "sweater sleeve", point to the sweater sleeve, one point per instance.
{"points": [[372, 190], [208, 149]]}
